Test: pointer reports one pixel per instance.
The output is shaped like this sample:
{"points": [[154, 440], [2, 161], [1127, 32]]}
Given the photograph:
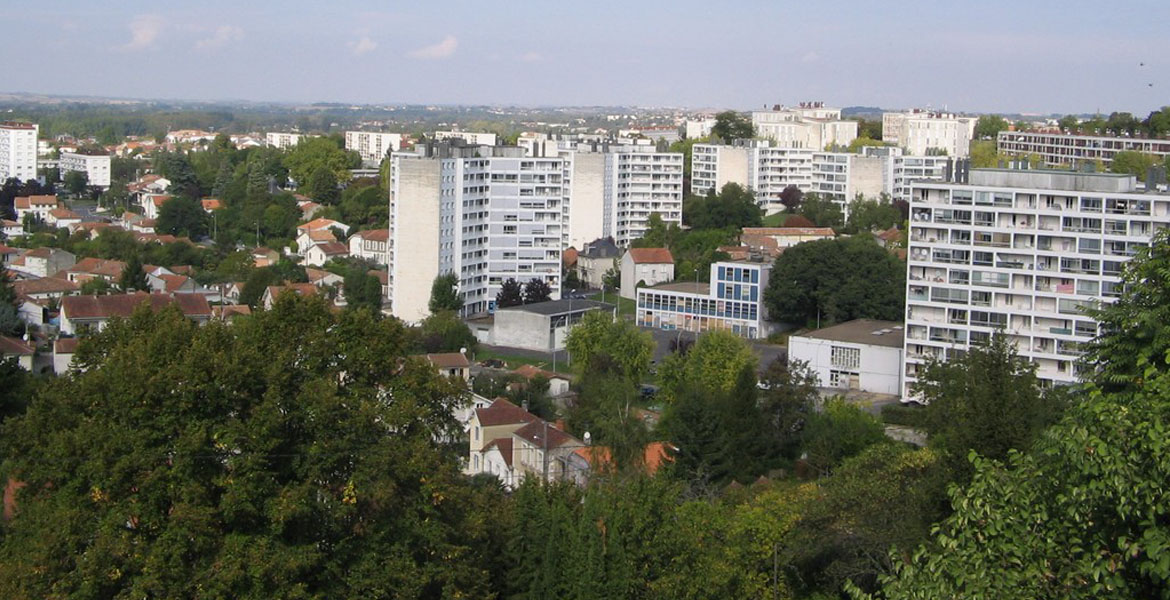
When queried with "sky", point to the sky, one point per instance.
{"points": [[989, 56]]}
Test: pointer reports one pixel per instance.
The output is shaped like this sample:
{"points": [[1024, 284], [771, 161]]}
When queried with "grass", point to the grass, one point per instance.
{"points": [[776, 220], [626, 307], [512, 362]]}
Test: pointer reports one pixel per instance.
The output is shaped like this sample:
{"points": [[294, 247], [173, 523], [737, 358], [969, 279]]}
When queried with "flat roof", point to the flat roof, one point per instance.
{"points": [[862, 331], [560, 307], [689, 287]]}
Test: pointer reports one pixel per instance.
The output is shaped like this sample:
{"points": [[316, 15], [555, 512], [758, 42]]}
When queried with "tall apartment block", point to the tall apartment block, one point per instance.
{"points": [[639, 182], [811, 125], [371, 145], [923, 132], [18, 150], [1023, 252], [283, 140], [484, 213], [1075, 150], [95, 166]]}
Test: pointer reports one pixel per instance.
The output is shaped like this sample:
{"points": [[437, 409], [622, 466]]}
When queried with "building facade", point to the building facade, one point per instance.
{"points": [[862, 355], [811, 125], [1023, 252], [732, 301], [18, 150], [371, 145], [924, 132], [1075, 150], [639, 182], [283, 140], [481, 139], [95, 166]]}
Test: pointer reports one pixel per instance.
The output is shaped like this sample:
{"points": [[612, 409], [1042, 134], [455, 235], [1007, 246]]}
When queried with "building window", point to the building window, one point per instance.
{"points": [[846, 358]]}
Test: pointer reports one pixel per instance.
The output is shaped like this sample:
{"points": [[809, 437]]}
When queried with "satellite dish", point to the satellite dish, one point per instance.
{"points": [[587, 437]]}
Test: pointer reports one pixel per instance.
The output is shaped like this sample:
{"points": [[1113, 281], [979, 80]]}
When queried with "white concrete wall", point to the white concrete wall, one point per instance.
{"points": [[586, 198], [880, 368], [414, 227], [520, 329]]}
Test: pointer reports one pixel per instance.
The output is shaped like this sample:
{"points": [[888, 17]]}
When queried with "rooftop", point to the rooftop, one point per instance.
{"points": [[651, 255], [502, 412], [560, 307], [449, 360], [123, 305], [689, 287], [862, 331], [1051, 179]]}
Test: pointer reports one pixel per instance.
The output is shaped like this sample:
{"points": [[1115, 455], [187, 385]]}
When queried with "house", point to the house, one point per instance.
{"points": [[309, 209], [38, 206], [497, 421], [11, 229], [211, 204], [79, 313], [45, 288], [599, 459], [451, 364], [319, 254], [540, 449], [598, 257], [144, 225], [308, 238], [170, 283], [890, 238], [264, 257], [42, 262], [152, 204], [92, 229], [322, 278], [322, 225], [230, 312], [63, 351], [7, 254], [231, 291], [62, 217], [22, 351], [557, 384], [540, 326], [372, 245], [771, 241], [33, 311], [863, 355], [272, 292], [383, 277], [650, 265], [94, 268]]}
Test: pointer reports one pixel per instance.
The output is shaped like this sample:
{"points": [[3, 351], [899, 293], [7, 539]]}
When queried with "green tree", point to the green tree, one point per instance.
{"points": [[76, 182], [444, 331], [362, 290], [730, 125], [133, 276], [838, 431], [788, 397], [871, 129], [821, 211], [1120, 123], [867, 215], [98, 287], [715, 361], [599, 337], [989, 126], [511, 294], [1157, 124], [863, 142], [733, 207], [537, 290], [10, 323], [1069, 123], [322, 186], [1133, 163], [311, 154], [987, 401], [836, 280], [182, 215], [445, 294], [256, 284]]}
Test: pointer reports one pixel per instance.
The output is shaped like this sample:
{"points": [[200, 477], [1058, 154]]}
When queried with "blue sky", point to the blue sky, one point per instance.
{"points": [[1010, 56]]}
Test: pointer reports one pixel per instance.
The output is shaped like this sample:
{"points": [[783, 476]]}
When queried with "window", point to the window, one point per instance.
{"points": [[846, 358]]}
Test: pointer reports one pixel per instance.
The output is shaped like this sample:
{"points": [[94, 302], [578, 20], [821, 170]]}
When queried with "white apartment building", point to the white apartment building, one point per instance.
{"points": [[283, 140], [18, 150], [1074, 150], [908, 169], [810, 125], [863, 355], [484, 213], [841, 177], [697, 128], [482, 139], [732, 301], [583, 207], [1021, 251], [639, 182], [95, 166], [371, 145], [925, 132], [759, 165]]}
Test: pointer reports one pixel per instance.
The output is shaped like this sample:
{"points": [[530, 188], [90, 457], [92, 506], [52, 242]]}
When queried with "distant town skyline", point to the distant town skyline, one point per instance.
{"points": [[995, 56]]}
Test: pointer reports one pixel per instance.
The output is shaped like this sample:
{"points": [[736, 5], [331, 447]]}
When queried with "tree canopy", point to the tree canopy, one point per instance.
{"points": [[730, 125], [733, 207], [445, 294]]}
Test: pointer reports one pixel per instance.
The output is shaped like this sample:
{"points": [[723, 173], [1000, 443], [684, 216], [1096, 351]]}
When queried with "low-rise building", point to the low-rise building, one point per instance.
{"points": [[771, 241], [451, 364], [732, 301], [96, 166], [63, 218], [22, 351], [645, 266], [38, 206], [43, 262], [319, 254], [863, 355], [540, 326], [92, 313], [598, 257], [11, 229], [372, 245]]}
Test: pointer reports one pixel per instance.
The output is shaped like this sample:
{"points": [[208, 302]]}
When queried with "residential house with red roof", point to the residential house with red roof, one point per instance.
{"points": [[649, 266], [35, 205], [372, 245], [319, 254], [11, 229], [22, 351], [42, 262], [94, 268], [80, 313], [272, 292]]}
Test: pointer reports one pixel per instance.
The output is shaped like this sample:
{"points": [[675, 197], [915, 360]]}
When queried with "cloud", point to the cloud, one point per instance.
{"points": [[144, 29], [531, 57], [362, 46], [223, 36], [443, 49]]}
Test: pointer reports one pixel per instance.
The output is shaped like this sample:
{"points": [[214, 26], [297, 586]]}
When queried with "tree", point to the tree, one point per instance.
{"points": [[1133, 163], [1157, 124], [445, 294], [787, 399], [537, 290], [612, 278], [715, 362], [989, 126], [98, 287], [867, 215], [10, 323], [988, 401], [444, 331], [511, 294], [863, 142], [133, 276], [322, 186], [288, 455], [821, 211], [319, 152], [730, 125], [836, 280], [598, 337], [182, 215], [838, 431], [871, 129], [733, 207], [790, 197], [256, 284], [1122, 123], [76, 182], [362, 290], [1069, 123]]}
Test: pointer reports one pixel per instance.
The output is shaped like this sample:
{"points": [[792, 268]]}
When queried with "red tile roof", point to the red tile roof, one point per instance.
{"points": [[99, 266], [212, 204], [374, 235], [66, 345], [321, 235], [530, 371], [30, 201], [300, 289], [321, 223], [333, 248], [64, 213], [504, 444], [535, 431], [174, 282], [502, 412], [123, 305], [569, 256], [449, 360], [44, 285], [651, 256], [10, 346]]}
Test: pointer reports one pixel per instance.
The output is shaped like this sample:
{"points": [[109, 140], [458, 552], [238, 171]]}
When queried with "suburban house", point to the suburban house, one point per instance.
{"points": [[42, 262], [372, 245], [451, 364], [319, 254], [497, 421], [272, 292], [81, 313], [22, 351], [307, 239], [38, 206], [593, 261], [264, 257], [230, 312], [309, 209], [557, 384], [172, 282], [540, 326], [94, 268], [63, 351], [62, 217], [7, 254], [92, 229], [323, 278], [863, 355], [152, 204], [771, 241], [11, 228], [45, 288], [323, 225], [649, 265]]}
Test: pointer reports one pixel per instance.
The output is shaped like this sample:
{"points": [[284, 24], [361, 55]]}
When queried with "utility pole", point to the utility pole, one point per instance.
{"points": [[545, 461]]}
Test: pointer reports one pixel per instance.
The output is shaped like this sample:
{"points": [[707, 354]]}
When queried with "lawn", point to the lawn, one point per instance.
{"points": [[482, 353], [776, 220], [627, 307]]}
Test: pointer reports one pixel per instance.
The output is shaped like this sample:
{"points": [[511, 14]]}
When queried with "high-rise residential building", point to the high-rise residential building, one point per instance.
{"points": [[1073, 151], [18, 150], [841, 177], [484, 213], [484, 139], [639, 182], [282, 140], [760, 165], [811, 125], [372, 145], [922, 132], [1022, 252], [95, 166]]}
